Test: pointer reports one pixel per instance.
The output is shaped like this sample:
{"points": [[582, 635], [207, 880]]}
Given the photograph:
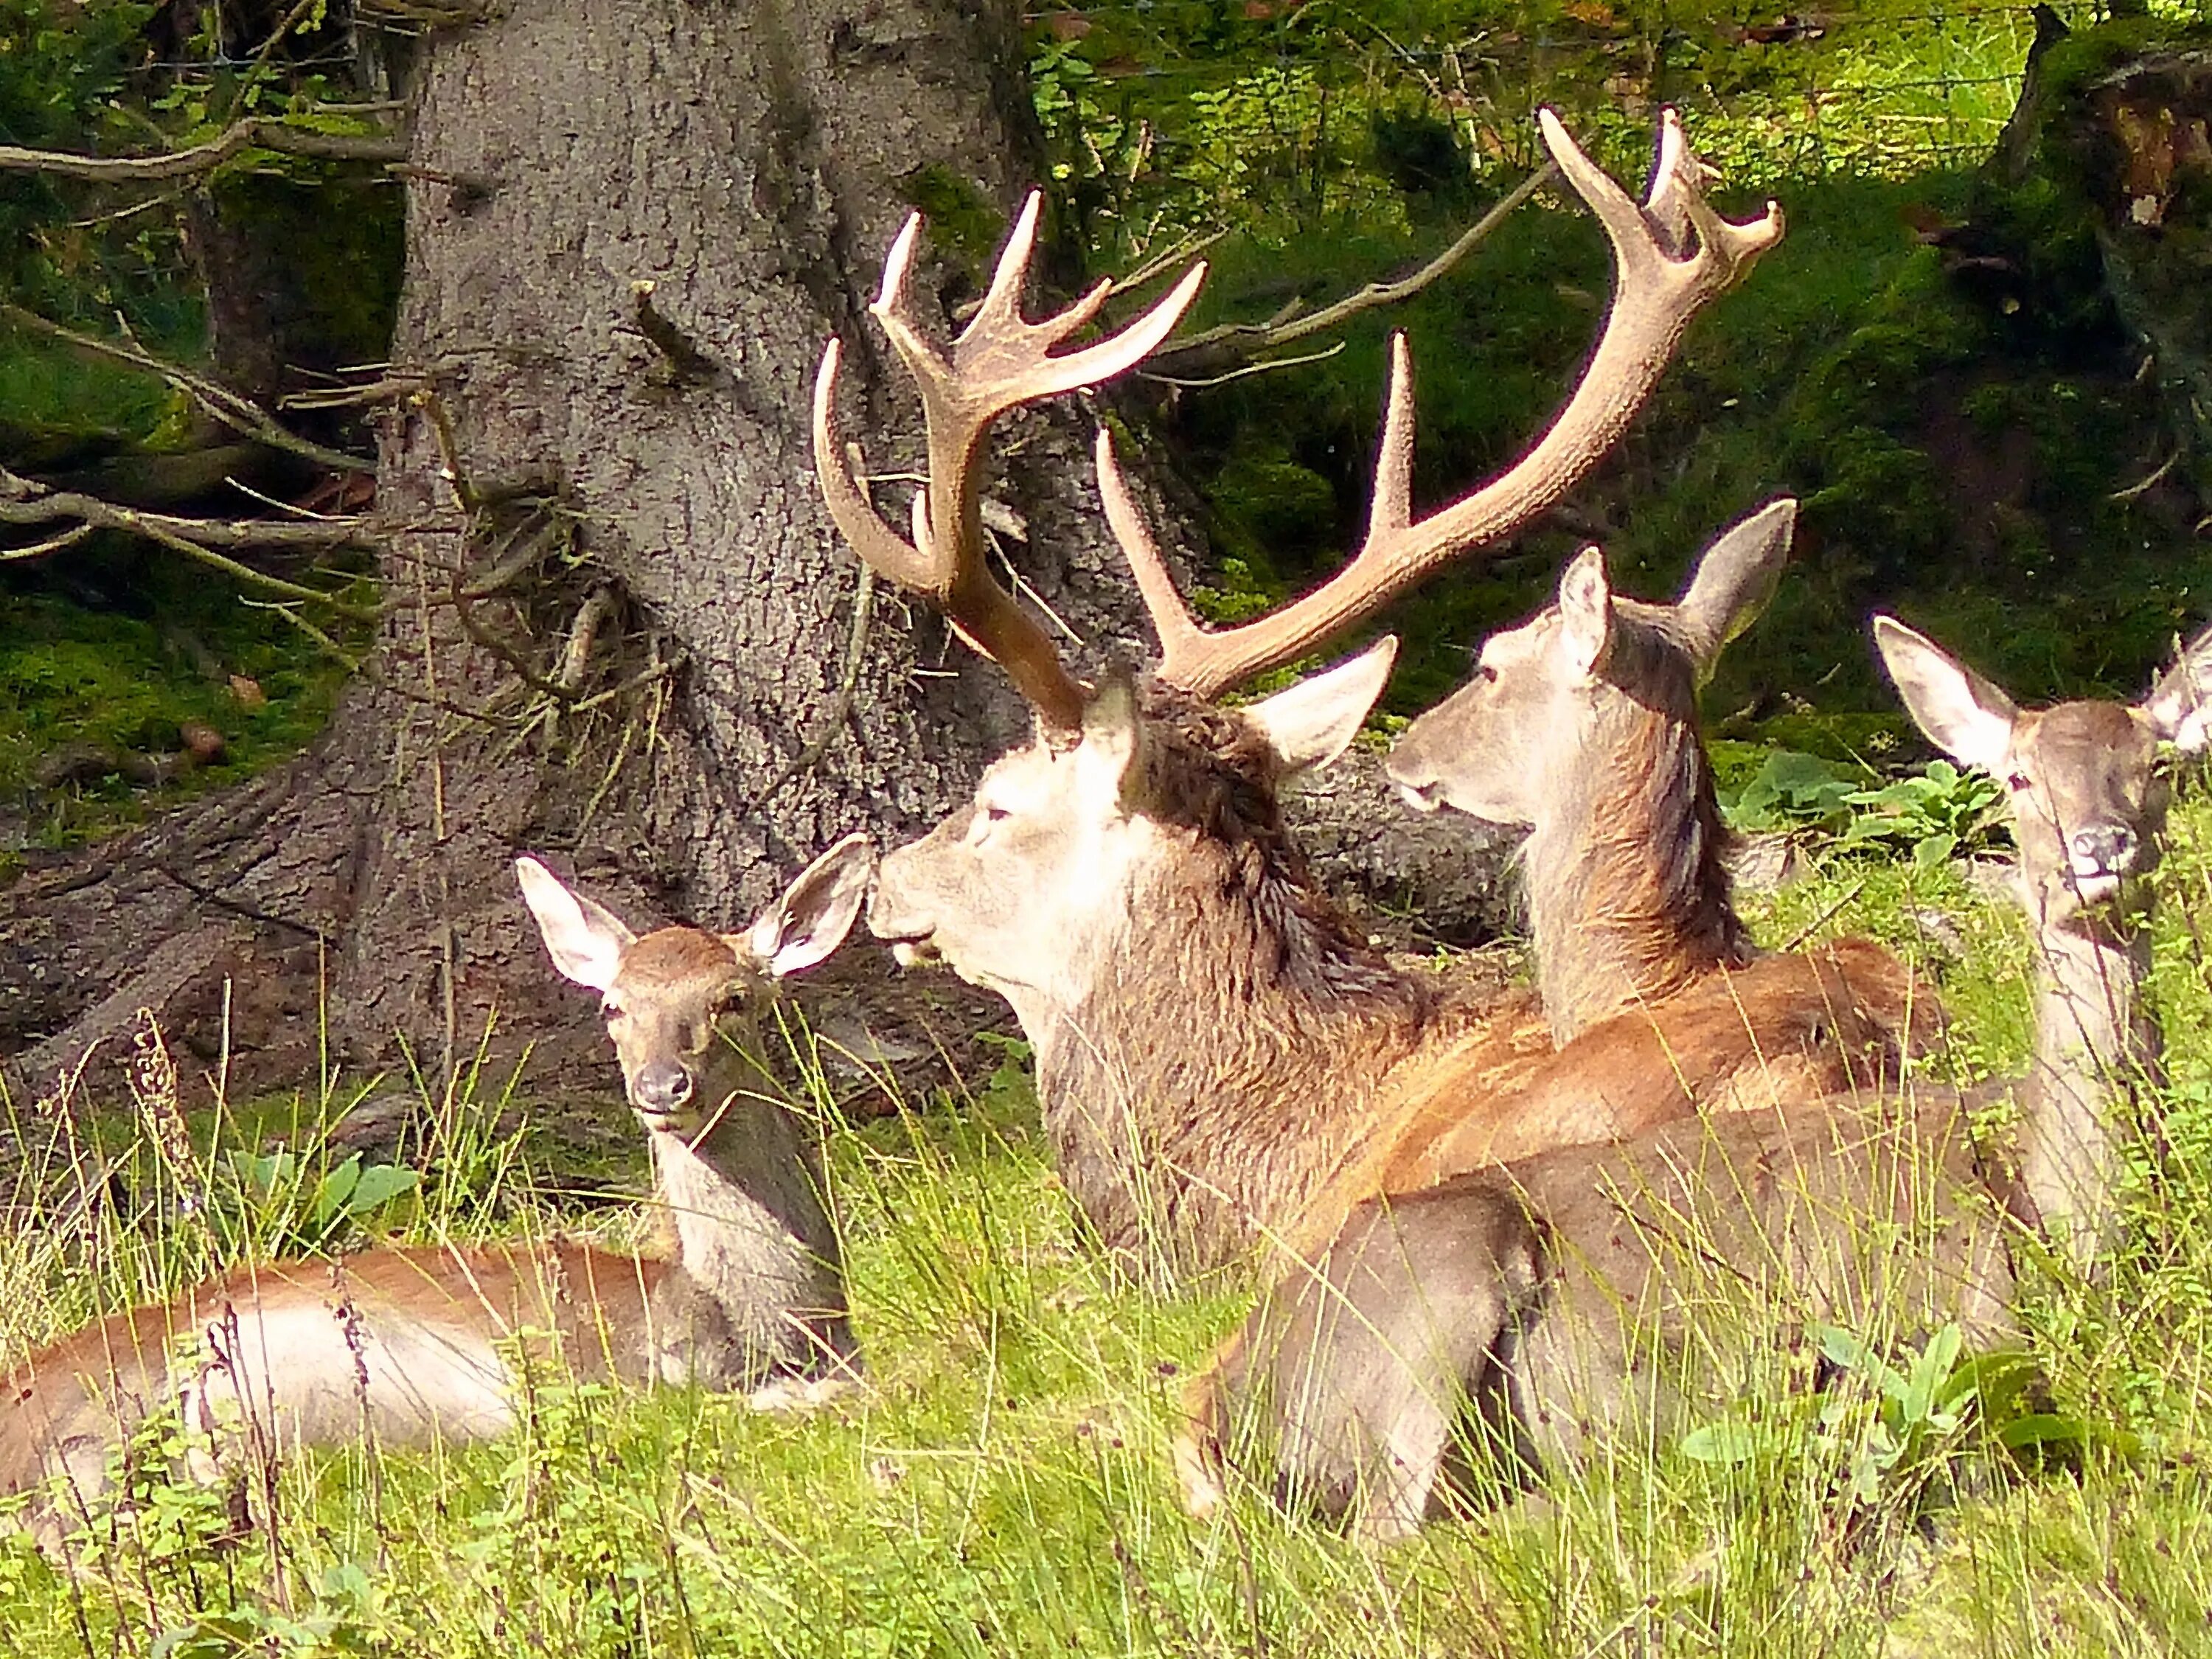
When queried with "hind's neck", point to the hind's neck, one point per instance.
{"points": [[745, 1202], [2094, 1046], [1628, 899]]}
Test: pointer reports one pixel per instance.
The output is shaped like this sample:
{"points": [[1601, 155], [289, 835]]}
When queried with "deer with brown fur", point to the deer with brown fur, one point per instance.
{"points": [[1581, 724], [405, 1347], [1530, 1308], [1214, 1040]]}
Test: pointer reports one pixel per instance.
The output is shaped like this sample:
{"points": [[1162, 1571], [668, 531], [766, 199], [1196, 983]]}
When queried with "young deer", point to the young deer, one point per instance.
{"points": [[1528, 1309], [1213, 1039], [403, 1347]]}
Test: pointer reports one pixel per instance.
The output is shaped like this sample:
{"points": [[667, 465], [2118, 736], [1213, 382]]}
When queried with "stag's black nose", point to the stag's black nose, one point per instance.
{"points": [[2111, 847], [661, 1085]]}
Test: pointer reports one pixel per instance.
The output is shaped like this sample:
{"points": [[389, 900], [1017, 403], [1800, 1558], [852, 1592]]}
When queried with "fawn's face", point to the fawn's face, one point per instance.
{"points": [[2088, 802], [677, 999], [2088, 797], [680, 999]]}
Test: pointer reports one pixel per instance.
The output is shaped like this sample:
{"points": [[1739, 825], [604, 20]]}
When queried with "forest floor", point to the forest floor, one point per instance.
{"points": [[999, 1482]]}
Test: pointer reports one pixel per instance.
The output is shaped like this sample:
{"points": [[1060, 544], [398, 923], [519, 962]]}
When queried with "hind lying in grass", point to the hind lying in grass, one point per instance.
{"points": [[413, 1345], [1527, 1309]]}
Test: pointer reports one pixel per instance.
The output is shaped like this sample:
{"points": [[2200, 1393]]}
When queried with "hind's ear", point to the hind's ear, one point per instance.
{"points": [[2179, 707], [584, 938], [1315, 720], [816, 911], [1734, 579], [1586, 611], [1964, 715]]}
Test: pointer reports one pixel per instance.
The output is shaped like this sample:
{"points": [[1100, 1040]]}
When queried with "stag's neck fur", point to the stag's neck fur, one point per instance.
{"points": [[1628, 898], [1238, 1018], [757, 1281], [2094, 1046]]}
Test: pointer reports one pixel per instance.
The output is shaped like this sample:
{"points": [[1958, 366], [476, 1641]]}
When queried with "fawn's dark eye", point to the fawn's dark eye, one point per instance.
{"points": [[2018, 782], [610, 1008]]}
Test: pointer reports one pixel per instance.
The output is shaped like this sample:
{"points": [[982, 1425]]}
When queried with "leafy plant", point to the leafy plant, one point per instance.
{"points": [[1936, 813], [1939, 812], [1891, 1429], [293, 1210], [1791, 791]]}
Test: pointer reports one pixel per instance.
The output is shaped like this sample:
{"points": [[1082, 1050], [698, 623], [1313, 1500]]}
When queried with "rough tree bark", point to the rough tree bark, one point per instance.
{"points": [[646, 463]]}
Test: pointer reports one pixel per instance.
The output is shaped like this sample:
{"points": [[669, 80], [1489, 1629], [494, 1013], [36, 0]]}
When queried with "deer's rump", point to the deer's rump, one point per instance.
{"points": [[409, 1344]]}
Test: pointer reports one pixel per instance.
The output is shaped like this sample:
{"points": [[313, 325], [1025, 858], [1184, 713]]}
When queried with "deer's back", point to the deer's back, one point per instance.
{"points": [[1785, 1031], [416, 1343], [1669, 1253]]}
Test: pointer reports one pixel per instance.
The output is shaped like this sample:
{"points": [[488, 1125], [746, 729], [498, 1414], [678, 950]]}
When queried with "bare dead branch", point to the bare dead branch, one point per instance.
{"points": [[241, 415], [68, 537], [256, 133], [25, 502], [1233, 341]]}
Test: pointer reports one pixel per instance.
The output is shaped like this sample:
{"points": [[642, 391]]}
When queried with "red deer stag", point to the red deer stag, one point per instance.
{"points": [[1213, 1039], [409, 1346], [1527, 1309]]}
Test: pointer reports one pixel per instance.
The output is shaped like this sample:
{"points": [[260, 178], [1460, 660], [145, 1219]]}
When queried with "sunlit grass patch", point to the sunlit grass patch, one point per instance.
{"points": [[1001, 1483]]}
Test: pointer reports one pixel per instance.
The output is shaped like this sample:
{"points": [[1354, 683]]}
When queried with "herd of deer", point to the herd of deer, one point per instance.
{"points": [[1475, 1212]]}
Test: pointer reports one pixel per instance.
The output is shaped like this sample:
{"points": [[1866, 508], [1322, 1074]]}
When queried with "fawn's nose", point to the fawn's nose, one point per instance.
{"points": [[661, 1085], [2104, 850]]}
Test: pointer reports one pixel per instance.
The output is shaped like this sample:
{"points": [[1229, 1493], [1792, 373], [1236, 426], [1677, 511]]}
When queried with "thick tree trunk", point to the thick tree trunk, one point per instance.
{"points": [[750, 161], [640, 467]]}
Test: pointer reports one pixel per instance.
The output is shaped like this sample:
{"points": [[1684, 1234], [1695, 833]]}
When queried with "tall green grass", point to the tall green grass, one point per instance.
{"points": [[1000, 1482]]}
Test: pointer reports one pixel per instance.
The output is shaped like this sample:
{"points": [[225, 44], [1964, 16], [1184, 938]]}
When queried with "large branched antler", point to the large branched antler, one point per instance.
{"points": [[999, 362], [1674, 253]]}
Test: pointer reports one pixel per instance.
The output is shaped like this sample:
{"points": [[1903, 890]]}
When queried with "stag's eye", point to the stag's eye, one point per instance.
{"points": [[2020, 783], [1486, 672], [610, 1008]]}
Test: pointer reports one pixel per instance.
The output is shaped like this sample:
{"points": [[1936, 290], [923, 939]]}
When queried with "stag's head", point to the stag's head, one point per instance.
{"points": [[1558, 703], [2082, 781], [1017, 890], [1025, 888], [680, 999]]}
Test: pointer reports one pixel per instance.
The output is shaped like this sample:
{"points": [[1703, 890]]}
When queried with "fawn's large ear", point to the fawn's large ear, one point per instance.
{"points": [[2180, 706], [816, 911], [1963, 714], [586, 939], [1734, 579], [1586, 611], [1315, 720]]}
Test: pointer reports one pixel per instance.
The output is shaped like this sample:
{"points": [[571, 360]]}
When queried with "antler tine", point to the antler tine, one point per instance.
{"points": [[1179, 633], [1672, 252], [998, 362]]}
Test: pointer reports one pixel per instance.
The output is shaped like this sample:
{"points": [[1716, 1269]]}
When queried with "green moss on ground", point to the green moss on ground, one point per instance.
{"points": [[73, 676]]}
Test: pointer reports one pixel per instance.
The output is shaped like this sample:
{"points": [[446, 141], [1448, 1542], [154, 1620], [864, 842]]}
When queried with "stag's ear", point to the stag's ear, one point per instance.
{"points": [[2179, 707], [1586, 611], [816, 911], [1315, 721], [1734, 579], [1113, 735], [1963, 714], [586, 939]]}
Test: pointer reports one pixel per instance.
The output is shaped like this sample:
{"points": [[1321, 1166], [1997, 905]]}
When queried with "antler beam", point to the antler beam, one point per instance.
{"points": [[998, 362], [1673, 254]]}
